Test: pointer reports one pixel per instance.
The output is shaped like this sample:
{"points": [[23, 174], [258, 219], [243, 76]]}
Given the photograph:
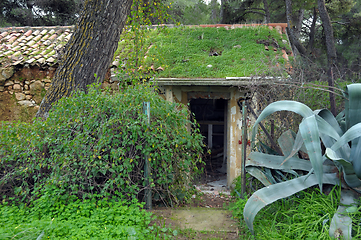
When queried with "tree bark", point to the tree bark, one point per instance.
{"points": [[312, 31], [266, 10], [291, 30], [90, 50], [331, 50]]}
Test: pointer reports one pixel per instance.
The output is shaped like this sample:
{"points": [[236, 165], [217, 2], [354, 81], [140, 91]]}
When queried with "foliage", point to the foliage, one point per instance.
{"points": [[185, 52], [194, 12], [143, 13], [339, 136], [348, 37], [58, 216], [313, 94], [306, 215], [39, 12], [95, 143]]}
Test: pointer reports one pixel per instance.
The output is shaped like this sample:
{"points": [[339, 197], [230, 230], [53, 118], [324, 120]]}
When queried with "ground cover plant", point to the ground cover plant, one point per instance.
{"points": [[337, 164], [95, 143], [57, 216], [186, 52]]}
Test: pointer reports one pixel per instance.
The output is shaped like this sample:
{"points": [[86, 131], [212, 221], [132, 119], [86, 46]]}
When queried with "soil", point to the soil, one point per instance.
{"points": [[203, 207]]}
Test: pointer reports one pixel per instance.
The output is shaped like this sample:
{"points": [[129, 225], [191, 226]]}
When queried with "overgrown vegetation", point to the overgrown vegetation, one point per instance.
{"points": [[55, 216], [324, 146], [94, 144], [306, 215], [187, 51]]}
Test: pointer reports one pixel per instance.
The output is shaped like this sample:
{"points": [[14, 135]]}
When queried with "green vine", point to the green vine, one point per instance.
{"points": [[135, 45]]}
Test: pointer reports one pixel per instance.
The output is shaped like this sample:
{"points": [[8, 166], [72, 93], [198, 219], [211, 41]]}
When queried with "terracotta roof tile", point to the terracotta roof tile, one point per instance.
{"points": [[31, 45], [27, 34]]}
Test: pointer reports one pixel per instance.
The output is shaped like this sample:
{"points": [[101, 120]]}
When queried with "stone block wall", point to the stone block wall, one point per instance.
{"points": [[22, 90]]}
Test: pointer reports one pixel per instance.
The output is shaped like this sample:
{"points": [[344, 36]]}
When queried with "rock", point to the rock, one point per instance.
{"points": [[16, 87], [237, 46], [11, 92], [17, 81], [36, 87], [20, 96], [5, 73], [47, 80], [28, 97], [209, 66], [9, 83], [27, 92], [1, 88], [26, 103], [27, 82], [26, 87]]}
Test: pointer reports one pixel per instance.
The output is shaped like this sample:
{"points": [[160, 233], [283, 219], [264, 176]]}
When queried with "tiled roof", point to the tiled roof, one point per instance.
{"points": [[41, 45], [32, 45]]}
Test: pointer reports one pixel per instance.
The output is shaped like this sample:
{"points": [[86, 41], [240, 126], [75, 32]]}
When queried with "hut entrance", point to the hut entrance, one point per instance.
{"points": [[211, 115]]}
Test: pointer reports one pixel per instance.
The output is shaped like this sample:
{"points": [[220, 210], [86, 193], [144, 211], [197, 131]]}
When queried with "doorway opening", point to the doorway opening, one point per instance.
{"points": [[211, 115]]}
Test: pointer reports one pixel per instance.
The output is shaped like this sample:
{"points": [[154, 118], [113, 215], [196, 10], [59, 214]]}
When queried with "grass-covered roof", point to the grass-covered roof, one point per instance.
{"points": [[205, 52]]}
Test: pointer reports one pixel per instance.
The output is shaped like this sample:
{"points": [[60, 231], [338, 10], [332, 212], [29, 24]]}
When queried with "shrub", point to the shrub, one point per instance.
{"points": [[95, 143]]}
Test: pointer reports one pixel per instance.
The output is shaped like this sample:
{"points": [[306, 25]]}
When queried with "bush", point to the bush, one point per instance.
{"points": [[95, 143]]}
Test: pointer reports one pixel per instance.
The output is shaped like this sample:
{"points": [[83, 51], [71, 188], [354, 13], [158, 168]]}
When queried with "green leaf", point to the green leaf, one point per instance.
{"points": [[347, 168], [275, 162], [286, 142], [285, 105], [311, 139], [272, 193], [257, 173]]}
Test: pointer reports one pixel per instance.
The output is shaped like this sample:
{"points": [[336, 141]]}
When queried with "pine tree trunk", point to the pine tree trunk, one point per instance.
{"points": [[266, 10], [90, 50], [291, 30], [331, 50]]}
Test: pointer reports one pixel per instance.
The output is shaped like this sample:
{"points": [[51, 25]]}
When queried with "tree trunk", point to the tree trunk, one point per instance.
{"points": [[266, 10], [312, 31], [291, 30], [90, 50], [331, 50]]}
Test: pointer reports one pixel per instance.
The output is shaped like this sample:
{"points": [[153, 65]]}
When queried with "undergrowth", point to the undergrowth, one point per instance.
{"points": [[58, 216], [306, 215], [97, 143]]}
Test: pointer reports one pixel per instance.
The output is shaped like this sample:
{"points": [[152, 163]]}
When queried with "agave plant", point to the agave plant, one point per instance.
{"points": [[340, 136]]}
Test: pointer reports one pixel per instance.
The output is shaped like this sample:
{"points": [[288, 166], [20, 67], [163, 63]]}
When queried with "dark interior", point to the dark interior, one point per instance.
{"points": [[210, 115]]}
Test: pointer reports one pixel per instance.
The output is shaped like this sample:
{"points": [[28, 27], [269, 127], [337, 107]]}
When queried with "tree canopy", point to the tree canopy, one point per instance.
{"points": [[39, 12]]}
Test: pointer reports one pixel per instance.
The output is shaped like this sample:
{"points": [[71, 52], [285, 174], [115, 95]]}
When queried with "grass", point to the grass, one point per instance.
{"points": [[306, 215], [183, 52]]}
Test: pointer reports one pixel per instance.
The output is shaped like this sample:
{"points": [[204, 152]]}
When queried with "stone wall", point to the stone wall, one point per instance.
{"points": [[22, 90]]}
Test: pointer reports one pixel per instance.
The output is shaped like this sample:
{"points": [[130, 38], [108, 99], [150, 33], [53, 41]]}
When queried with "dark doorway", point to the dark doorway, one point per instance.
{"points": [[211, 116]]}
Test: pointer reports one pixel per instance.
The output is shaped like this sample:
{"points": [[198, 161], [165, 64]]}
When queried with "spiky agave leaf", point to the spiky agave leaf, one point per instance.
{"points": [[284, 105], [272, 193], [346, 167]]}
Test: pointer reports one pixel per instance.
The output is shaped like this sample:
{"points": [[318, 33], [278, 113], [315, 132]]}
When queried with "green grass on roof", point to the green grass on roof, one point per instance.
{"points": [[184, 52]]}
